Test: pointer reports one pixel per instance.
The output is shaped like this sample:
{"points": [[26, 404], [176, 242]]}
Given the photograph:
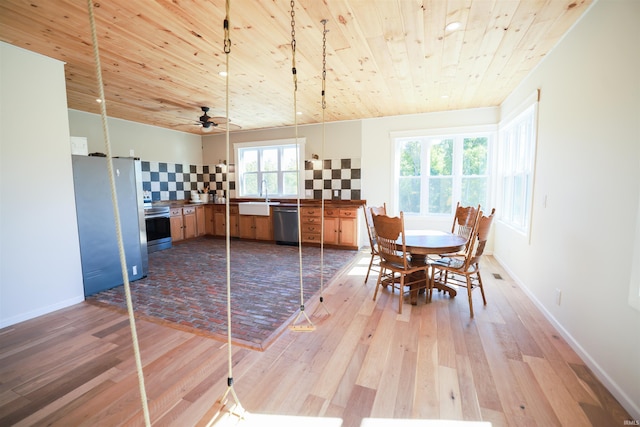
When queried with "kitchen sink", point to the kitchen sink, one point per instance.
{"points": [[255, 208]]}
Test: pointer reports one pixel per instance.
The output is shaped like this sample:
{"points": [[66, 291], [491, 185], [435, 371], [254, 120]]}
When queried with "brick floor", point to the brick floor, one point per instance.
{"points": [[186, 287]]}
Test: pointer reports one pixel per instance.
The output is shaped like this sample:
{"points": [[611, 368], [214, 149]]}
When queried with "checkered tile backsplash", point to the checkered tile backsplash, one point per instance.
{"points": [[172, 181], [326, 177]]}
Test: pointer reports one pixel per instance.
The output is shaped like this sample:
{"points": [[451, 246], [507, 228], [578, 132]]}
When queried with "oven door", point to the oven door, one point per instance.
{"points": [[158, 232]]}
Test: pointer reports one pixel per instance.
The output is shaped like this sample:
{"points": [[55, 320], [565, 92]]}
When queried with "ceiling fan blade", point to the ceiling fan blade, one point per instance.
{"points": [[217, 120], [224, 127]]}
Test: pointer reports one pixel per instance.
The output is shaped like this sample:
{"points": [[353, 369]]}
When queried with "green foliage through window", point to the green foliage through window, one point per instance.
{"points": [[457, 170]]}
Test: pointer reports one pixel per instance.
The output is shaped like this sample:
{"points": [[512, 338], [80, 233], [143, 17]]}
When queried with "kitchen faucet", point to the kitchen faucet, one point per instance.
{"points": [[265, 190]]}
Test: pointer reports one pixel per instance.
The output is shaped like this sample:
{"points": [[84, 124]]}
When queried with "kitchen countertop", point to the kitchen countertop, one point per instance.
{"points": [[283, 202]]}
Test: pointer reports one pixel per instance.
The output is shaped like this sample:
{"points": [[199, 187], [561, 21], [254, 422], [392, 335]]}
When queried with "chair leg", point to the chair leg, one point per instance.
{"points": [[481, 287], [369, 270], [469, 295], [401, 293], [378, 283], [429, 283]]}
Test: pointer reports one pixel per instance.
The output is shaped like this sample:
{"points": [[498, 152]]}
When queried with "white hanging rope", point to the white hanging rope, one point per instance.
{"points": [[116, 213], [237, 409], [295, 326]]}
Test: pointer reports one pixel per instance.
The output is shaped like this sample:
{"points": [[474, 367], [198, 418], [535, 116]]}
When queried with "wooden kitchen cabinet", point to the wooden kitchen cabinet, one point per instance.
{"points": [[341, 227], [220, 223], [311, 224], [183, 222], [209, 220], [200, 221], [176, 224], [258, 227], [189, 224]]}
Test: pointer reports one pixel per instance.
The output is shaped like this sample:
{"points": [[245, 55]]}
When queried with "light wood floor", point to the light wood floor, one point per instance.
{"points": [[508, 366]]}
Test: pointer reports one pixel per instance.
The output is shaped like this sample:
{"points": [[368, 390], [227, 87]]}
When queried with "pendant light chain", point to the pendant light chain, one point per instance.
{"points": [[293, 49], [324, 107]]}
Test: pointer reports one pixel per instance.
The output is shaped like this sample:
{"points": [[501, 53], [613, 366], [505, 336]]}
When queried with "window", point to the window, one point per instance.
{"points": [[516, 152], [269, 168], [434, 172]]}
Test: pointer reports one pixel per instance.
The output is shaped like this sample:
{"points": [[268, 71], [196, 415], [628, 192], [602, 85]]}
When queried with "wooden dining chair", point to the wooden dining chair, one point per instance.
{"points": [[396, 269], [464, 271], [464, 220], [375, 257]]}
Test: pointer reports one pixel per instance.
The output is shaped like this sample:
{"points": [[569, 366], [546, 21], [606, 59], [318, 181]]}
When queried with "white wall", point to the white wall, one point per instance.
{"points": [[587, 171], [149, 143], [40, 269], [342, 140]]}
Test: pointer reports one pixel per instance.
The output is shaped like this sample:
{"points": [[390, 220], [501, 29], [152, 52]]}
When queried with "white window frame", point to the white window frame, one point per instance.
{"points": [[516, 151], [261, 145], [458, 135]]}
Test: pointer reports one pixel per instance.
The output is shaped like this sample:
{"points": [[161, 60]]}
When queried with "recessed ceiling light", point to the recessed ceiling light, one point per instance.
{"points": [[452, 26], [222, 73], [99, 101], [444, 96], [299, 113]]}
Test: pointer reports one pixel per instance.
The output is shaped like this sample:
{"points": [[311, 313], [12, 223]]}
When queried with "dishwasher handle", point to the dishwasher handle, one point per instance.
{"points": [[285, 210]]}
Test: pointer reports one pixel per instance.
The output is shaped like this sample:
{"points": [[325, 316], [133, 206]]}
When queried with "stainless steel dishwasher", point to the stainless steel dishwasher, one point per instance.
{"points": [[285, 224]]}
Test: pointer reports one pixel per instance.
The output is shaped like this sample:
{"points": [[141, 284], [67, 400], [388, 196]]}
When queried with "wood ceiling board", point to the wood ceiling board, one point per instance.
{"points": [[161, 62]]}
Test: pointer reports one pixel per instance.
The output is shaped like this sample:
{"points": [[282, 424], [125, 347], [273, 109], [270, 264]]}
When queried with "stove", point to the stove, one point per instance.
{"points": [[158, 225]]}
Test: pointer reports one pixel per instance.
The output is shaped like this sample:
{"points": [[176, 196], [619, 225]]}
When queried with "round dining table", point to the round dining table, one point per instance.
{"points": [[430, 242]]}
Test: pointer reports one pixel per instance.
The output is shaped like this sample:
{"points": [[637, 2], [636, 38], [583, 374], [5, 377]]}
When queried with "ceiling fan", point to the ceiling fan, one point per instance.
{"points": [[215, 123]]}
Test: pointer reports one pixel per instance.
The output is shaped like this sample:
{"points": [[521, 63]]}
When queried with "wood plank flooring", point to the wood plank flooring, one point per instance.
{"points": [[508, 366]]}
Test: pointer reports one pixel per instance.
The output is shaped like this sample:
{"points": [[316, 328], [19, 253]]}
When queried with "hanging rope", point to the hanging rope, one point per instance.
{"points": [[116, 214], [324, 107], [237, 409], [309, 326]]}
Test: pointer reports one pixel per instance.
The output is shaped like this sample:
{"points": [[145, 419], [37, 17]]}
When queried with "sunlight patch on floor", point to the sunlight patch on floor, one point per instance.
{"points": [[360, 267], [388, 422], [270, 420], [265, 420]]}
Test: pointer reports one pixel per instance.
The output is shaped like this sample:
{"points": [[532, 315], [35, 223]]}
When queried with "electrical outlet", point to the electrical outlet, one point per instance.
{"points": [[135, 270], [558, 296]]}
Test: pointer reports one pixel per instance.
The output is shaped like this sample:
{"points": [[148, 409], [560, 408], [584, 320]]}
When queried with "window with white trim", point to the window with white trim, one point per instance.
{"points": [[516, 156], [269, 168], [435, 172]]}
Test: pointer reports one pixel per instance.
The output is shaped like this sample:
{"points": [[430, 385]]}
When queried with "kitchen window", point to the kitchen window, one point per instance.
{"points": [[435, 172], [270, 168]]}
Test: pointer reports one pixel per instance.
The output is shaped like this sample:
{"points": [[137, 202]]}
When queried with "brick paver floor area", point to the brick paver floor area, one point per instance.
{"points": [[187, 287]]}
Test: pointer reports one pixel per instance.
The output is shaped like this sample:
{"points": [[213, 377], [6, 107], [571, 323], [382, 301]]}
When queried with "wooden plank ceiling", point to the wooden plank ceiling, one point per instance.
{"points": [[160, 59]]}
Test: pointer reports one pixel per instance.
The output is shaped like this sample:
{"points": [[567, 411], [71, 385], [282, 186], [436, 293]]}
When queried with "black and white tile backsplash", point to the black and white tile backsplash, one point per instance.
{"points": [[332, 178], [336, 178]]}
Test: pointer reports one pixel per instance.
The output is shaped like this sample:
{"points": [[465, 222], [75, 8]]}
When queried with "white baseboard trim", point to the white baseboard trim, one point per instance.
{"points": [[40, 311], [601, 374]]}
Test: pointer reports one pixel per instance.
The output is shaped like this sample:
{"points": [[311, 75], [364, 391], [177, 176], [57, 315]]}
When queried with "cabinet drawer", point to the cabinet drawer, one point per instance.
{"points": [[348, 213], [311, 238], [311, 228], [310, 220], [310, 212], [176, 211], [188, 210], [334, 212]]}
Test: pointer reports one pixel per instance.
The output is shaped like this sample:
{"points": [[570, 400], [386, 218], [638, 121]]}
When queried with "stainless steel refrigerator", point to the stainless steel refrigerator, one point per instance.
{"points": [[99, 251]]}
